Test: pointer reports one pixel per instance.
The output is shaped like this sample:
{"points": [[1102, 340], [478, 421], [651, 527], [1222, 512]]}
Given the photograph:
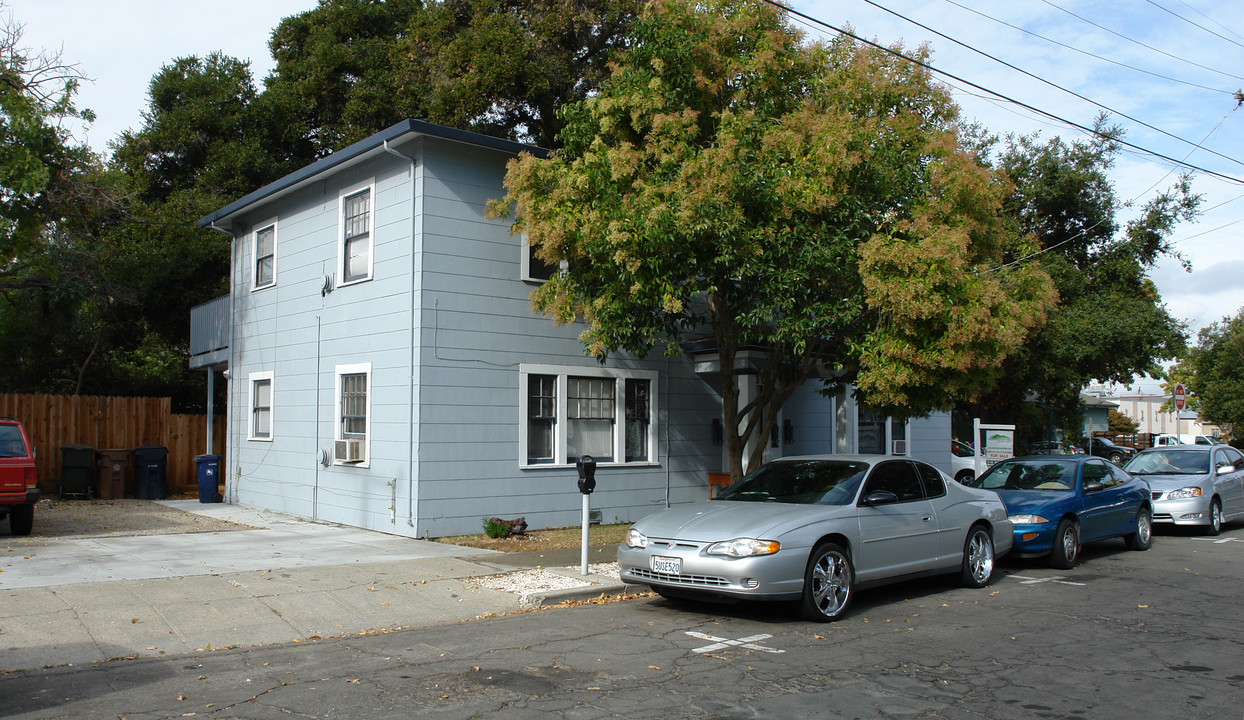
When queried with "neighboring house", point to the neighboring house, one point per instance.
{"points": [[386, 370], [1096, 413]]}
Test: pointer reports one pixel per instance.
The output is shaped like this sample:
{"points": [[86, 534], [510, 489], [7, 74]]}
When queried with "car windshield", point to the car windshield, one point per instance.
{"points": [[810, 482], [11, 444], [1190, 461], [1057, 475]]}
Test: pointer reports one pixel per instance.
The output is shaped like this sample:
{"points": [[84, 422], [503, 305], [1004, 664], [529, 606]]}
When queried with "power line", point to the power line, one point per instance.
{"points": [[1137, 42], [997, 94], [1085, 52], [1207, 232], [1181, 17], [1207, 17], [1053, 84]]}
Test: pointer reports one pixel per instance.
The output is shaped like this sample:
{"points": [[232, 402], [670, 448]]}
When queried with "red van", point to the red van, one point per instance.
{"points": [[18, 491]]}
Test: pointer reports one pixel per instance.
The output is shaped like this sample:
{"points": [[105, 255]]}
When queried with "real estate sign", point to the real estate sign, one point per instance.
{"points": [[997, 443]]}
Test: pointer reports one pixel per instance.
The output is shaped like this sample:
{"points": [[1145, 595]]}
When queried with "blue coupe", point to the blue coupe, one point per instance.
{"points": [[1056, 503]]}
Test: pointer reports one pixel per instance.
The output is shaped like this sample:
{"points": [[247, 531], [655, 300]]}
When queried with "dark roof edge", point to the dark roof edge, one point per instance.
{"points": [[367, 145]]}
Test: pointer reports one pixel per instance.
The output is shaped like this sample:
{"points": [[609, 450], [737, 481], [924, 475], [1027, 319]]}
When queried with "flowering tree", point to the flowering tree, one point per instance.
{"points": [[732, 180]]}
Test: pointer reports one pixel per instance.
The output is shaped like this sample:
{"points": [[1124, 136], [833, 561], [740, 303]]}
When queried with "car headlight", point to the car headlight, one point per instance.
{"points": [[636, 539], [1027, 519], [744, 547], [1184, 493]]}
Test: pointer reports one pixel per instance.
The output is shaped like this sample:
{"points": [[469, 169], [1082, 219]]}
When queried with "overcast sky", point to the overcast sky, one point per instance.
{"points": [[120, 44]]}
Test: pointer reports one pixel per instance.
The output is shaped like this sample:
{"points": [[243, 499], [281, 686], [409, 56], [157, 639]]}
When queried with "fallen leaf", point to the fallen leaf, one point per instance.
{"points": [[653, 667]]}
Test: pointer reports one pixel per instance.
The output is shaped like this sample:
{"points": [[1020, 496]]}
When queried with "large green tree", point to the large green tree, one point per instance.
{"points": [[1109, 324], [207, 138], [1217, 378], [734, 180], [348, 68], [56, 299]]}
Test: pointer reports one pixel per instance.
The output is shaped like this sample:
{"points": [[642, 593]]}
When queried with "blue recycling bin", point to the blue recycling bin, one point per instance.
{"points": [[150, 472], [209, 473]]}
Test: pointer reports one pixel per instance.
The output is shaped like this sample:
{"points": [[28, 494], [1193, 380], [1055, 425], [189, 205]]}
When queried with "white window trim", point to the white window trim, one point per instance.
{"points": [[251, 379], [370, 186], [272, 223], [525, 260], [561, 372], [352, 369]]}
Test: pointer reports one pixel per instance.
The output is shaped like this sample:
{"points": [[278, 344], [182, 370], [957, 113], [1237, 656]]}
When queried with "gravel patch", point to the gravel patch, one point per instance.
{"points": [[529, 582], [78, 519]]}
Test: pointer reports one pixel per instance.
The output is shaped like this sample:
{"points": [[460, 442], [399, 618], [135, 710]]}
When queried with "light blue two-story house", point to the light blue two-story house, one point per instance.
{"points": [[386, 371]]}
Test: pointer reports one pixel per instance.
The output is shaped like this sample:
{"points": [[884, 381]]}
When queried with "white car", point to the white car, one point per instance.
{"points": [[962, 461]]}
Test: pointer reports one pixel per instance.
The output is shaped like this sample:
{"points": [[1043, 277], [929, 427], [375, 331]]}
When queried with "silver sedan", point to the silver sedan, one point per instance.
{"points": [[1201, 485], [816, 529]]}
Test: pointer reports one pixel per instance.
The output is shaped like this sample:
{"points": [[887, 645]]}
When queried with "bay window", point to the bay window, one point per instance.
{"points": [[570, 412]]}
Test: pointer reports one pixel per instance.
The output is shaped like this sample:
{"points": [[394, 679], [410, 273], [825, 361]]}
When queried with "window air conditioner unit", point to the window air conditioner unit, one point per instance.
{"points": [[900, 447], [349, 450]]}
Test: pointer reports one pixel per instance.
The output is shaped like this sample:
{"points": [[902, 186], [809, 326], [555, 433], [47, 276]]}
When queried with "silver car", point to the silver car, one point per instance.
{"points": [[815, 529], [1200, 485]]}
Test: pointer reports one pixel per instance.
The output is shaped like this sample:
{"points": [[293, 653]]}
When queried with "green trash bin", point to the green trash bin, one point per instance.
{"points": [[76, 464]]}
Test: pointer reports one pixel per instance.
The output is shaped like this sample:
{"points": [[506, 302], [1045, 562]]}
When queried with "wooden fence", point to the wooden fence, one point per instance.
{"points": [[107, 423]]}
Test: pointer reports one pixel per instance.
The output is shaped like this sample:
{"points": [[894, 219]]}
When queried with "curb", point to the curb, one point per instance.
{"points": [[596, 589]]}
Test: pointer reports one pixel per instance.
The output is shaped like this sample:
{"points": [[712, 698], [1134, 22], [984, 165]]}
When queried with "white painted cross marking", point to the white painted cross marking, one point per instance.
{"points": [[722, 643], [1025, 580], [1225, 540]]}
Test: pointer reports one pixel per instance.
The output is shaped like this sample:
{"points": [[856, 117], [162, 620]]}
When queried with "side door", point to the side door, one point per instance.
{"points": [[951, 528], [1232, 483], [898, 528], [1101, 507]]}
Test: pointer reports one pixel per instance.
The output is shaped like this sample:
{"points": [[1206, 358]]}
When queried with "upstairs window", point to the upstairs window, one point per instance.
{"points": [[265, 257], [356, 235], [534, 269]]}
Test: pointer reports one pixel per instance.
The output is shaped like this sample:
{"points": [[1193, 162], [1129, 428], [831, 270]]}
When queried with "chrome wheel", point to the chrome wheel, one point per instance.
{"points": [[827, 584], [978, 558]]}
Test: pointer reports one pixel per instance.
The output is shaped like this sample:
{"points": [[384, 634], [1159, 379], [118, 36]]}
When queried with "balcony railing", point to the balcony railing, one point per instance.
{"points": [[209, 333]]}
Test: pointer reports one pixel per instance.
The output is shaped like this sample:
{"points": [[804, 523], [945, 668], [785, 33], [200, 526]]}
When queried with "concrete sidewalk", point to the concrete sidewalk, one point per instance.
{"points": [[77, 601]]}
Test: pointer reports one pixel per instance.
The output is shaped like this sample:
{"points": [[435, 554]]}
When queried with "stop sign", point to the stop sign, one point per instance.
{"points": [[1180, 396]]}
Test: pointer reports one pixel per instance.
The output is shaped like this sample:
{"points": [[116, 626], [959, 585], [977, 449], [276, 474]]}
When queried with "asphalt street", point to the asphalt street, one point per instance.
{"points": [[1126, 634]]}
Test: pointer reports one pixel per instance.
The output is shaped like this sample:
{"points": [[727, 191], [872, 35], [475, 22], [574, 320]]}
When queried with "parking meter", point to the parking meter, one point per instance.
{"points": [[586, 466]]}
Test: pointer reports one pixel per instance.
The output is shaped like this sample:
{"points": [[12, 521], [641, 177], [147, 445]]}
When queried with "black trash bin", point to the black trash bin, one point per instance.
{"points": [[209, 473], [150, 472], [76, 463]]}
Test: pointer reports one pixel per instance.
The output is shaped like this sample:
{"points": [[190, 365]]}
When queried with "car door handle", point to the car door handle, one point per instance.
{"points": [[927, 518]]}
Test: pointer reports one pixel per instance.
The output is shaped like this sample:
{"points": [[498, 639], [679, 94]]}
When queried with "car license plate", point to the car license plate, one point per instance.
{"points": [[666, 565]]}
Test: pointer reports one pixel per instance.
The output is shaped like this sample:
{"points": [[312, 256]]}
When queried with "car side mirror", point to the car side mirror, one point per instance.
{"points": [[1224, 469], [1092, 487], [880, 497]]}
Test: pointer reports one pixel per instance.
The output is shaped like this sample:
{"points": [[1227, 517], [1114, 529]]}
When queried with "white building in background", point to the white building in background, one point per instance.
{"points": [[1145, 409]]}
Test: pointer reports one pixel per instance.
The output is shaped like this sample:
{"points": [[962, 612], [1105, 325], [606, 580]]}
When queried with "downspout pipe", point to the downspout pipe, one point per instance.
{"points": [[414, 348], [211, 373]]}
